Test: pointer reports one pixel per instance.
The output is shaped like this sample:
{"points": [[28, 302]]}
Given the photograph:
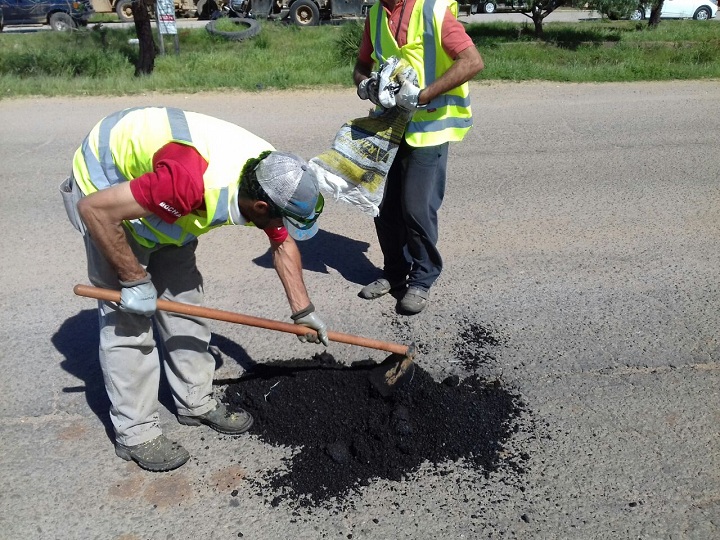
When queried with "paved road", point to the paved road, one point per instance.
{"points": [[581, 222]]}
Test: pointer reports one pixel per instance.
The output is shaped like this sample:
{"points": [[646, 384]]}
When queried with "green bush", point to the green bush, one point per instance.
{"points": [[348, 42], [615, 9]]}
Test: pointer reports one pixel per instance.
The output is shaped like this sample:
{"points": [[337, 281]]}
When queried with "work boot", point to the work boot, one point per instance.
{"points": [[379, 287], [414, 301], [157, 455], [229, 423]]}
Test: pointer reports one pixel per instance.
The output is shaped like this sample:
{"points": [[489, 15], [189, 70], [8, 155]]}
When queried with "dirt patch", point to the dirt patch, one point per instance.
{"points": [[347, 434]]}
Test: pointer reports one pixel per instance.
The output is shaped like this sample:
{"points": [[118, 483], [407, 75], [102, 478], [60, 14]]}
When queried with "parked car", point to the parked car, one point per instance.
{"points": [[59, 14], [700, 10]]}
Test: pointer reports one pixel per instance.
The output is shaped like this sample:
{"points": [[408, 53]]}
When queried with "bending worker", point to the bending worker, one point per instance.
{"points": [[427, 35], [146, 182]]}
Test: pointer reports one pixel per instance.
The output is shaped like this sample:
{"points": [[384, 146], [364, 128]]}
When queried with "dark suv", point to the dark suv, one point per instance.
{"points": [[59, 14]]}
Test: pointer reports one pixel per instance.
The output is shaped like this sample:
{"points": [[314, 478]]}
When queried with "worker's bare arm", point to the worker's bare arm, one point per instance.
{"points": [[288, 265], [467, 64], [103, 213], [361, 72]]}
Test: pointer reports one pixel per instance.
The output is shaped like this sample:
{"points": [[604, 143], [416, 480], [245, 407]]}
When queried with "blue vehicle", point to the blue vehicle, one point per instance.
{"points": [[59, 14]]}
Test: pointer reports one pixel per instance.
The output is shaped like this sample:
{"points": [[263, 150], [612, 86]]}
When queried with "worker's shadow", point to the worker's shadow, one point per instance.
{"points": [[78, 340], [328, 250]]}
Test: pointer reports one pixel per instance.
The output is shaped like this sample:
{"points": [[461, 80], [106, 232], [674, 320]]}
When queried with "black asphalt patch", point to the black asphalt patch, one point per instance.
{"points": [[345, 434]]}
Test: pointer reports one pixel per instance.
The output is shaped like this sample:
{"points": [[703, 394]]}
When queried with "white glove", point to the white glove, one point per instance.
{"points": [[368, 88], [308, 317], [138, 297], [407, 97]]}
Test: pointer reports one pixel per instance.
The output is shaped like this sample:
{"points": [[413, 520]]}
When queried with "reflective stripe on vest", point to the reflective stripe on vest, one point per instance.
{"points": [[447, 117], [221, 178]]}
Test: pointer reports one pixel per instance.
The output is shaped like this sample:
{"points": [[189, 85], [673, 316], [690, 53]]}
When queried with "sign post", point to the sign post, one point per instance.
{"points": [[165, 16]]}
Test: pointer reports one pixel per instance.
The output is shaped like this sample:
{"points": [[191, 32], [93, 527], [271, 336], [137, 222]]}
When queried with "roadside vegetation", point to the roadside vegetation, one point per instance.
{"points": [[99, 61]]}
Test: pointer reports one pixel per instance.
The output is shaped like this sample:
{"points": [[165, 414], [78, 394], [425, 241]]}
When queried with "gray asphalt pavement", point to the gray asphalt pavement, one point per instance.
{"points": [[580, 221]]}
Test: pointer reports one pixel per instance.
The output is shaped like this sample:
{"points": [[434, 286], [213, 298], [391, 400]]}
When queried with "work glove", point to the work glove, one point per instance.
{"points": [[368, 88], [408, 94], [138, 297], [308, 317], [407, 97]]}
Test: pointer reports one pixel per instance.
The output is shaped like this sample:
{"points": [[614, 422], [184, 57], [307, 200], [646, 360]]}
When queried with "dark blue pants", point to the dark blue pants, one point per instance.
{"points": [[407, 226]]}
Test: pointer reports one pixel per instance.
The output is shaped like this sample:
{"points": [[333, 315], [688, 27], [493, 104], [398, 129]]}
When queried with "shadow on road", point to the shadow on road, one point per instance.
{"points": [[78, 340]]}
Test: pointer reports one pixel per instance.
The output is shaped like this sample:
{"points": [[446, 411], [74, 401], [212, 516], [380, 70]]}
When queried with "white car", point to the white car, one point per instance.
{"points": [[700, 10]]}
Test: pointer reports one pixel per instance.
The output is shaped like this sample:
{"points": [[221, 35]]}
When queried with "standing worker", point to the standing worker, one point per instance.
{"points": [[146, 182], [427, 35]]}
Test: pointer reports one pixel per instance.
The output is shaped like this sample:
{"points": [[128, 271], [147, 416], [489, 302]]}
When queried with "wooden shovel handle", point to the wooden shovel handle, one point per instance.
{"points": [[109, 295]]}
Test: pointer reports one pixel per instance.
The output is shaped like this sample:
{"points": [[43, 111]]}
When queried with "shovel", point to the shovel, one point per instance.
{"points": [[385, 377]]}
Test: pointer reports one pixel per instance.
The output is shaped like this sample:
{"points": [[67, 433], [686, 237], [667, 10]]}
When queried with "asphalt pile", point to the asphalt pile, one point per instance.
{"points": [[346, 433]]}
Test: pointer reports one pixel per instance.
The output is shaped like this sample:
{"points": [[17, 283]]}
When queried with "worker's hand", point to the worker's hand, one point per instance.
{"points": [[368, 88], [138, 297], [408, 96], [308, 317]]}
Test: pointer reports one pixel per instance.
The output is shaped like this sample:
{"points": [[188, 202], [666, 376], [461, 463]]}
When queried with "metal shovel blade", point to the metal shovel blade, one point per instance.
{"points": [[394, 372]]}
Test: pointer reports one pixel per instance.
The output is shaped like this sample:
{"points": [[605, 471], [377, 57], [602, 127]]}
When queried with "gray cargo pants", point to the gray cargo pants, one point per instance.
{"points": [[129, 357]]}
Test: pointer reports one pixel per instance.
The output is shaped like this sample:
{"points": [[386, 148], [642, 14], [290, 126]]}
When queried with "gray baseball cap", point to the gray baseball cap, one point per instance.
{"points": [[293, 187]]}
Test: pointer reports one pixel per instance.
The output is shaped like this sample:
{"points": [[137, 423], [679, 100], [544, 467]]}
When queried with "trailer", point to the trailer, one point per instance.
{"points": [[299, 12], [123, 8], [472, 7]]}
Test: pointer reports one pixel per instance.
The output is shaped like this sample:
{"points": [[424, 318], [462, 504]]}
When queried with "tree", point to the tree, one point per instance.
{"points": [[655, 10], [537, 10], [141, 10], [614, 9]]}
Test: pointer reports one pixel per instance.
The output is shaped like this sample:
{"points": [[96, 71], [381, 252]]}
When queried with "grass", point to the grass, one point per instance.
{"points": [[99, 61]]}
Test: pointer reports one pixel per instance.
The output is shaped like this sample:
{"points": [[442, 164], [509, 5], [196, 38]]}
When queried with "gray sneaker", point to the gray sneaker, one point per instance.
{"points": [[229, 423], [414, 301], [157, 455], [379, 287]]}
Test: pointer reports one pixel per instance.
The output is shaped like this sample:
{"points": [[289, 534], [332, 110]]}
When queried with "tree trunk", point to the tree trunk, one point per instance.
{"points": [[537, 17], [654, 20], [146, 59]]}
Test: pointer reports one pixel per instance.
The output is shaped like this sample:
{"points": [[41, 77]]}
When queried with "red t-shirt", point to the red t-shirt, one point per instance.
{"points": [[454, 38], [175, 187]]}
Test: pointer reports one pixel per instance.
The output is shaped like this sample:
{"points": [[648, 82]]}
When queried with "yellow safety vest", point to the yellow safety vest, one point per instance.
{"points": [[447, 117], [121, 147]]}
